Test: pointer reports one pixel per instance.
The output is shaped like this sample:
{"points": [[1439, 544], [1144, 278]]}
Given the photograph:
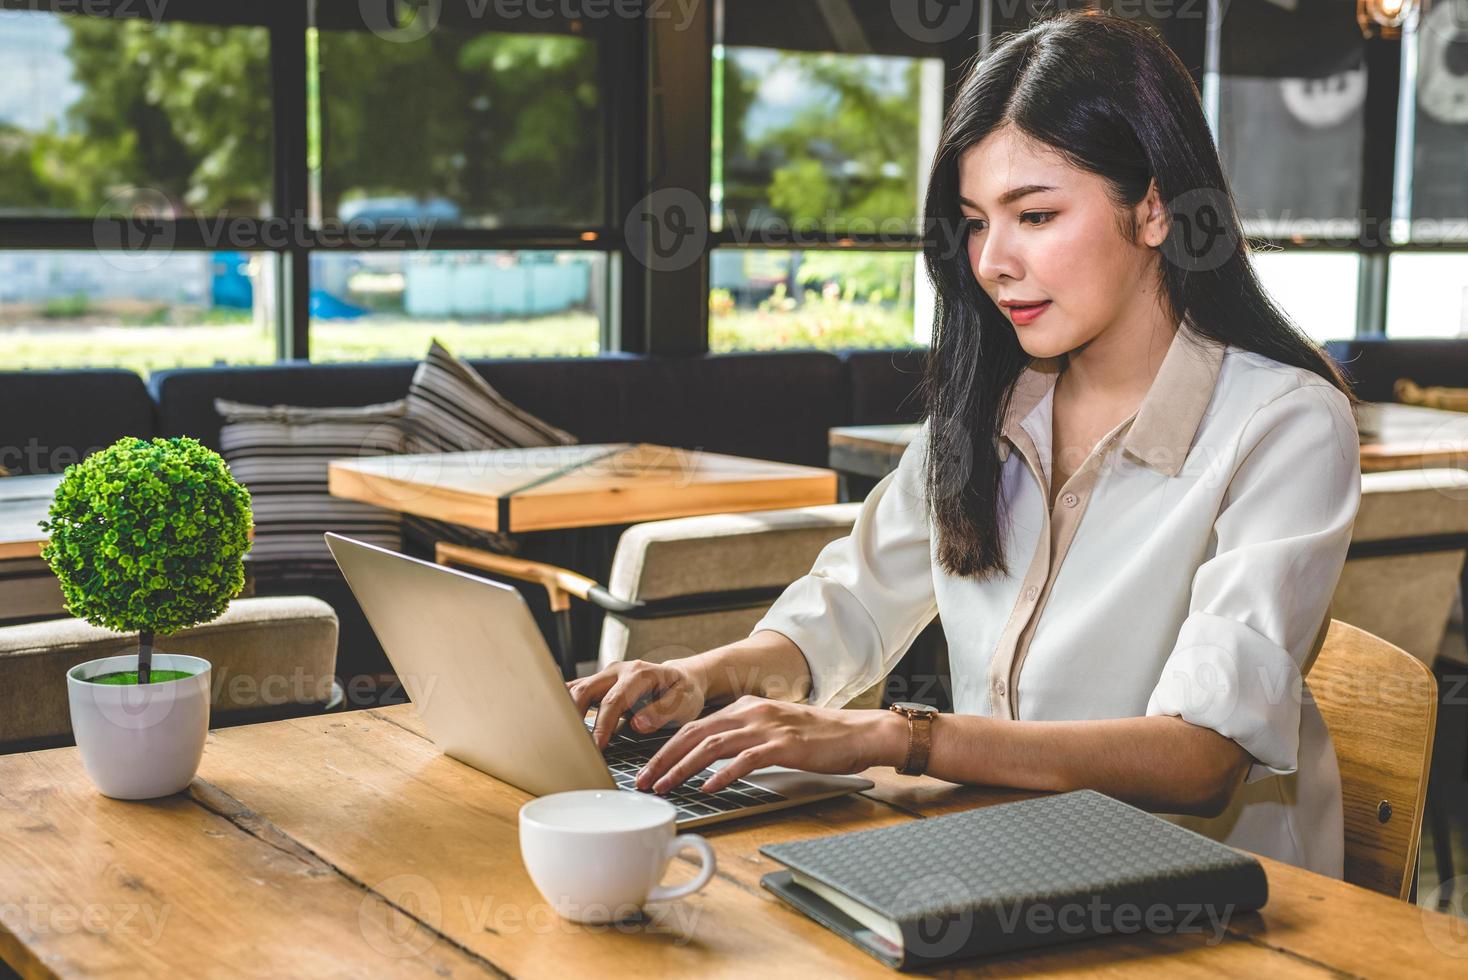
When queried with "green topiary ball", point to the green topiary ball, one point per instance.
{"points": [[149, 535]]}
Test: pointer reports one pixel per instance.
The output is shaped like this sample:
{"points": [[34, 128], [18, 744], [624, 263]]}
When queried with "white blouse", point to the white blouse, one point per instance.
{"points": [[1186, 569]]}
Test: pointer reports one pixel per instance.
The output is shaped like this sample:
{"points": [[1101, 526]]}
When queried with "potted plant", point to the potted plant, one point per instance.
{"points": [[146, 536]]}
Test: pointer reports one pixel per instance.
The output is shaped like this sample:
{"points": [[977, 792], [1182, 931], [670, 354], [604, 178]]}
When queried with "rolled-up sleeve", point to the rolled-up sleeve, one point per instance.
{"points": [[1257, 604], [869, 594]]}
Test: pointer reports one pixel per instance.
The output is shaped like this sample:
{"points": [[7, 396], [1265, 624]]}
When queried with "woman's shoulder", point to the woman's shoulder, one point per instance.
{"points": [[1249, 382], [1259, 400]]}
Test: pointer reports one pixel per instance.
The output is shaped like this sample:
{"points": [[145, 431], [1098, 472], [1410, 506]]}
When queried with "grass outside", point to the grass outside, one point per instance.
{"points": [[822, 323]]}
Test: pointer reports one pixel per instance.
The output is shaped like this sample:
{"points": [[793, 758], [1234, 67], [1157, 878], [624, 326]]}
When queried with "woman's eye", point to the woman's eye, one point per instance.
{"points": [[1029, 217]]}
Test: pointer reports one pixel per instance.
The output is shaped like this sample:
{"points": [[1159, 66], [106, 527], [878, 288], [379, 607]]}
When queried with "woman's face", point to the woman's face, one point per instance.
{"points": [[1045, 242]]}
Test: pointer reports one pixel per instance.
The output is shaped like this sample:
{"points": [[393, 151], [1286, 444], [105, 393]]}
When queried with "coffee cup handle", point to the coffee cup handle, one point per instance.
{"points": [[665, 893]]}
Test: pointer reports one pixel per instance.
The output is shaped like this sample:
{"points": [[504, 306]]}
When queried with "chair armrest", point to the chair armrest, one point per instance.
{"points": [[559, 583]]}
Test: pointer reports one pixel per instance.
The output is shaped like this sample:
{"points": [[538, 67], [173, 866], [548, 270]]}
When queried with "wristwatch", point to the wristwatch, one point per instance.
{"points": [[919, 735]]}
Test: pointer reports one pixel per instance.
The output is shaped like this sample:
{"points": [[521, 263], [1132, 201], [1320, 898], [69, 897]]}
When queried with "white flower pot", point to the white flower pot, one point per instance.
{"points": [[140, 741]]}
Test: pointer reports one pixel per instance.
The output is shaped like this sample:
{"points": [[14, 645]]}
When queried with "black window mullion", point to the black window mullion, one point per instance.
{"points": [[1378, 174], [622, 56], [679, 100], [288, 108]]}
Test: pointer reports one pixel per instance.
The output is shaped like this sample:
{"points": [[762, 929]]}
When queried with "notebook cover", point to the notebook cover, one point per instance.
{"points": [[1019, 875]]}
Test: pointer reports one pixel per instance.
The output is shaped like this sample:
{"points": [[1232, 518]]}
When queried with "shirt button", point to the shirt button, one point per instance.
{"points": [[1070, 500], [999, 688], [1030, 593]]}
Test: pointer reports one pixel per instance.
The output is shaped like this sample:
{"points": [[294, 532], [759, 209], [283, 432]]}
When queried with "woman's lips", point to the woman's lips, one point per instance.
{"points": [[1027, 314]]}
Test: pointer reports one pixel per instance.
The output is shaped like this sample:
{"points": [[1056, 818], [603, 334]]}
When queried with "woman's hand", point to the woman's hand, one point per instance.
{"points": [[757, 732], [673, 693]]}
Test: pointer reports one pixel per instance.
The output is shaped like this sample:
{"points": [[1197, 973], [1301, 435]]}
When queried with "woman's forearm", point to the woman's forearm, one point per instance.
{"points": [[1159, 763], [767, 664]]}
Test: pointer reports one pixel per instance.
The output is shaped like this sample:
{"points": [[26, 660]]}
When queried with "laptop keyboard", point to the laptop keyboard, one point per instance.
{"points": [[627, 754]]}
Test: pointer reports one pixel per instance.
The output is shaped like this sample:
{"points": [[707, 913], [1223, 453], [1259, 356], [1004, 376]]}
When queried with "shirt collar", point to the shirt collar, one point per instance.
{"points": [[1162, 432]]}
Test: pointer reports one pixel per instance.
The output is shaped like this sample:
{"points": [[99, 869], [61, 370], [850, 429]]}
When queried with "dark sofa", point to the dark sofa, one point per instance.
{"points": [[1373, 364], [771, 405]]}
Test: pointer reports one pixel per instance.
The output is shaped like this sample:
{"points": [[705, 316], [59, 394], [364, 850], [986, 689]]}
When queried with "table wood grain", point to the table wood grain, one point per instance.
{"points": [[554, 487], [1393, 437], [349, 845]]}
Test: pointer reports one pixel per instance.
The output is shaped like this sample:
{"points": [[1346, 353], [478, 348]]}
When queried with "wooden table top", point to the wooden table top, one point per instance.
{"points": [[24, 501], [1410, 437], [1393, 437], [577, 486], [347, 844]]}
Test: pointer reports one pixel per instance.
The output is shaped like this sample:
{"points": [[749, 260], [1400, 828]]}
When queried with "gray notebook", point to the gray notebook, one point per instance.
{"points": [[994, 879]]}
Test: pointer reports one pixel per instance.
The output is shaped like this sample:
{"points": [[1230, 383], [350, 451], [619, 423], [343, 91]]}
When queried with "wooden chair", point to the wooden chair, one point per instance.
{"points": [[1380, 706]]}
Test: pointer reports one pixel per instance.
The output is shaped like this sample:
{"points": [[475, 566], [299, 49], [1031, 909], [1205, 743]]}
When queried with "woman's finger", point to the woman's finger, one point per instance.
{"points": [[622, 695], [684, 741], [677, 703], [754, 757], [586, 691], [720, 745]]}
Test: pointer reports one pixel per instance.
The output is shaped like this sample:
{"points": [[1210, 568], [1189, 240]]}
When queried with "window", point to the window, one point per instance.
{"points": [[1289, 89], [1317, 290], [102, 116], [825, 120], [458, 128], [457, 147], [823, 141], [1432, 190], [390, 304], [144, 311], [765, 298], [1429, 295]]}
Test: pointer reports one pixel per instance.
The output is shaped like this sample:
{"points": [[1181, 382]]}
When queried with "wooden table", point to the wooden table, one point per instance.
{"points": [[1409, 437], [555, 487], [24, 501], [1394, 437], [348, 845]]}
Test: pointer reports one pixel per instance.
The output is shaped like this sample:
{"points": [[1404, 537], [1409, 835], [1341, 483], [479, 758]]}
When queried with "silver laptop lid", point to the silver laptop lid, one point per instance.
{"points": [[470, 656]]}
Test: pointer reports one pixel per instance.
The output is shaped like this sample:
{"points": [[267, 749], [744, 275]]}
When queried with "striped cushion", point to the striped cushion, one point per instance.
{"points": [[280, 452], [451, 408]]}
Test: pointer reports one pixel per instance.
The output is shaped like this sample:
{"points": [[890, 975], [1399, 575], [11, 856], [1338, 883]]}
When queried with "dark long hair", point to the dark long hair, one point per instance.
{"points": [[1113, 99]]}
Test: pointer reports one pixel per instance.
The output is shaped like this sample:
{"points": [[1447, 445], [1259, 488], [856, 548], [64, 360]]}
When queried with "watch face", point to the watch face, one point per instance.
{"points": [[926, 709]]}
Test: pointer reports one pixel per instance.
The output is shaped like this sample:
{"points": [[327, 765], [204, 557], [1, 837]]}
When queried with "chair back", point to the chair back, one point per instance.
{"points": [[1407, 548], [1380, 705], [714, 554]]}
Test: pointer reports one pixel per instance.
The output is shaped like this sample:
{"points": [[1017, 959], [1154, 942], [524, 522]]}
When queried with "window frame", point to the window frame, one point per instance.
{"points": [[656, 84]]}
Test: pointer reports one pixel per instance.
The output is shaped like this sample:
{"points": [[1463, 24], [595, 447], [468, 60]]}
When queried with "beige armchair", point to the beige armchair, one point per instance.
{"points": [[270, 657], [681, 586], [1401, 575]]}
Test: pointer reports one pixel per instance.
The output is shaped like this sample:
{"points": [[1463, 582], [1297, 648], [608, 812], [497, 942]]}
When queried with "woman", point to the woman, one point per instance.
{"points": [[1130, 500]]}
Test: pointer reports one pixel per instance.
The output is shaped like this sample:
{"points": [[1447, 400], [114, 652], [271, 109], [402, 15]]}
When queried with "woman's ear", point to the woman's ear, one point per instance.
{"points": [[1153, 221]]}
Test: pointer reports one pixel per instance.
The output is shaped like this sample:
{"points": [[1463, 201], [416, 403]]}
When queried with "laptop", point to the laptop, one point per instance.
{"points": [[469, 654]]}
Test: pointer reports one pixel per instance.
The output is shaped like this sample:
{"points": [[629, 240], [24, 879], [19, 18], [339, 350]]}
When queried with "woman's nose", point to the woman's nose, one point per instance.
{"points": [[993, 257]]}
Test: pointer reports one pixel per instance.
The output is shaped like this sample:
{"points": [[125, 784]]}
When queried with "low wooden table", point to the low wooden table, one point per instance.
{"points": [[554, 487], [349, 845], [1396, 437], [24, 502]]}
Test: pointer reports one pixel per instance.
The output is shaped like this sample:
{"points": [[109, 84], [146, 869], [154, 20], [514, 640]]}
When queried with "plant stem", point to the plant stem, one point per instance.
{"points": [[145, 655]]}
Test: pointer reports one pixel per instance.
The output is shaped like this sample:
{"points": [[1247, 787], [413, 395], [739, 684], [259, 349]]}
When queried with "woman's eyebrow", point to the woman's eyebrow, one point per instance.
{"points": [[1011, 195]]}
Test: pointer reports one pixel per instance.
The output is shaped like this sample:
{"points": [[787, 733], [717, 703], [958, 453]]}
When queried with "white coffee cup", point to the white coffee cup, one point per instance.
{"points": [[598, 855]]}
